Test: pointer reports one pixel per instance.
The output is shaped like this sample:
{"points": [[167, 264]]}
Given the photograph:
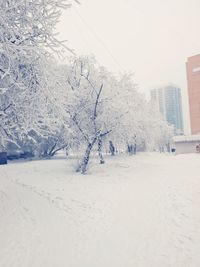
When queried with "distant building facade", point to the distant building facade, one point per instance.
{"points": [[187, 144], [193, 82], [168, 101]]}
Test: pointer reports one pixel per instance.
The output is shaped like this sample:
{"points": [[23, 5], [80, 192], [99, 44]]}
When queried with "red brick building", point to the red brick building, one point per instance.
{"points": [[193, 81]]}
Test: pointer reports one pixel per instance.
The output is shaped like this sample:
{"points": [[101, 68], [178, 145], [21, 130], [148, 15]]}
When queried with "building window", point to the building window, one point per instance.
{"points": [[197, 69]]}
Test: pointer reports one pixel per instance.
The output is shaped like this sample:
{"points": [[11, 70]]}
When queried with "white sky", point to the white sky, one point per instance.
{"points": [[150, 38]]}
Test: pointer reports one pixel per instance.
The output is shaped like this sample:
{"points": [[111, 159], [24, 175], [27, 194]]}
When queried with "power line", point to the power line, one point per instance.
{"points": [[96, 36]]}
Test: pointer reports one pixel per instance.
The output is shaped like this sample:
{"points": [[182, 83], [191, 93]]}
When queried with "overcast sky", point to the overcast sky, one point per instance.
{"points": [[150, 38]]}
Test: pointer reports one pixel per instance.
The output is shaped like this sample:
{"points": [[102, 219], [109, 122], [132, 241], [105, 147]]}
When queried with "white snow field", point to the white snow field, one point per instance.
{"points": [[138, 211]]}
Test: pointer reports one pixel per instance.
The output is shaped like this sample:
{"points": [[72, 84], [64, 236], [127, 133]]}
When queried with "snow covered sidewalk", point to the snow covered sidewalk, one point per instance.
{"points": [[132, 212]]}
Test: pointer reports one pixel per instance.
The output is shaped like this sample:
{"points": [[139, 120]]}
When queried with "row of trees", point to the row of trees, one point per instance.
{"points": [[46, 106], [27, 36]]}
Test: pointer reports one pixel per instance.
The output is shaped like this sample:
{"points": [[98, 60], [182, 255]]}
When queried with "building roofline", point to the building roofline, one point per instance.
{"points": [[191, 57], [161, 86], [186, 138]]}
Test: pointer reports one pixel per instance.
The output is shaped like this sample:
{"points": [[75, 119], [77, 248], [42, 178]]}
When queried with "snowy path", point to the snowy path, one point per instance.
{"points": [[138, 211]]}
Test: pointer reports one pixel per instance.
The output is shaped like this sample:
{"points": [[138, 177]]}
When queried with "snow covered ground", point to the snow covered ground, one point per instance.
{"points": [[137, 211]]}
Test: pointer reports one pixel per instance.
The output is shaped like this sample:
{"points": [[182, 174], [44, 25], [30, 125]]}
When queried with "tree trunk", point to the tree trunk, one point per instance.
{"points": [[135, 145], [58, 149], [111, 148], [83, 166], [135, 149], [102, 161], [50, 154], [130, 149]]}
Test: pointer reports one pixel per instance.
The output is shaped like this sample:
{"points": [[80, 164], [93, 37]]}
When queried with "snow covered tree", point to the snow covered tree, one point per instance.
{"points": [[137, 126], [160, 132], [86, 107], [26, 28], [27, 36], [130, 107]]}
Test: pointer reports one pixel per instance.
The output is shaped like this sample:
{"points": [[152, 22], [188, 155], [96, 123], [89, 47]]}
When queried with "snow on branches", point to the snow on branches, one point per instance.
{"points": [[27, 37], [46, 106]]}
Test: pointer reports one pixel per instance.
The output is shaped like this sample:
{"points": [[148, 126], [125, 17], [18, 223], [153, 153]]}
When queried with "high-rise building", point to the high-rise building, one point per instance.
{"points": [[193, 81], [168, 101]]}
